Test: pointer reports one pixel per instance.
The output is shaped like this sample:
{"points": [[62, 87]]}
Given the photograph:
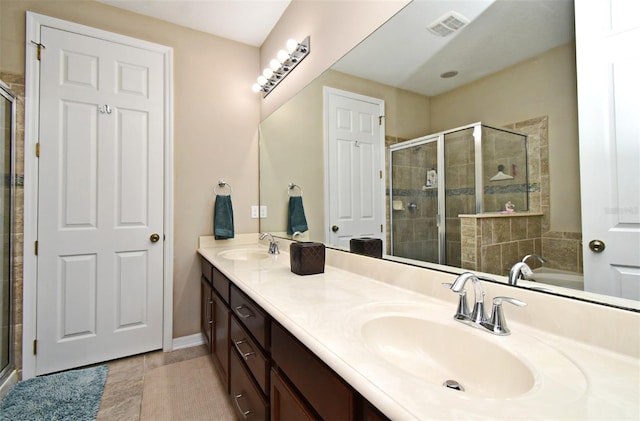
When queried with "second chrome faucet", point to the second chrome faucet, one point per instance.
{"points": [[496, 324]]}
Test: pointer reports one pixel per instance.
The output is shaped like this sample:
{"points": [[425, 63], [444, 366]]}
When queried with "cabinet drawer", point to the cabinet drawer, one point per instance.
{"points": [[247, 398], [221, 284], [207, 269], [252, 354], [250, 315], [325, 391]]}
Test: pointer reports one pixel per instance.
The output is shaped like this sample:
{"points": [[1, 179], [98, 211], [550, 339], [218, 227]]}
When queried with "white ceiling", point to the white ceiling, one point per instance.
{"points": [[501, 33], [245, 21], [402, 53]]}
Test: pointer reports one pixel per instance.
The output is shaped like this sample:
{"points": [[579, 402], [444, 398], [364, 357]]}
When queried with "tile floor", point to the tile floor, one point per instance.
{"points": [[122, 397]]}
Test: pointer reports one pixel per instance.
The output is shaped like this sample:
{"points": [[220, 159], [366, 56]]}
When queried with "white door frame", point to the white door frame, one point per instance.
{"points": [[32, 94], [326, 92]]}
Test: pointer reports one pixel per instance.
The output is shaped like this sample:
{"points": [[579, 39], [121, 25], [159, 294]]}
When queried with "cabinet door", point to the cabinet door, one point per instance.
{"points": [[220, 341], [206, 316], [285, 403]]}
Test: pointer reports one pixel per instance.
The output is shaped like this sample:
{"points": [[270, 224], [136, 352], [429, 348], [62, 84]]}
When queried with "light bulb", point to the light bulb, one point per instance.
{"points": [[283, 56], [267, 72], [292, 45], [256, 88], [262, 80], [275, 64]]}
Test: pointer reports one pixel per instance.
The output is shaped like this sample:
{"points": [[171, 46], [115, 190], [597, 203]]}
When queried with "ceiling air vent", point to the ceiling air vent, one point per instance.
{"points": [[447, 24]]}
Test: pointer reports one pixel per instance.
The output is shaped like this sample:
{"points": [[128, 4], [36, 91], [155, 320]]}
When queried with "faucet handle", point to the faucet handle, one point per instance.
{"points": [[498, 324]]}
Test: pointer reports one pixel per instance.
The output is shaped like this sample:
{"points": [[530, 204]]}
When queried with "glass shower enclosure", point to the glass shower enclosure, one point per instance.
{"points": [[434, 179], [7, 131]]}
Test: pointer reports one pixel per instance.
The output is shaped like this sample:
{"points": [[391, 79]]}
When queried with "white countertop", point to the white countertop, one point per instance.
{"points": [[325, 311]]}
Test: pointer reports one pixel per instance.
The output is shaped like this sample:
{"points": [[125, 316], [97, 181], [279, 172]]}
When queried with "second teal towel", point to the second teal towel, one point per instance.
{"points": [[296, 221]]}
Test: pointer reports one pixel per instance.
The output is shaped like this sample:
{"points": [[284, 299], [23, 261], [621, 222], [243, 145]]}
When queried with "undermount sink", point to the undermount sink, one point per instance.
{"points": [[245, 254], [440, 353]]}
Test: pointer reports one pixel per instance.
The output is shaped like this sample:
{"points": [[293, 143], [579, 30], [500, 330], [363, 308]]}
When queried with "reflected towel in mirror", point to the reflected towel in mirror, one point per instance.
{"points": [[296, 221], [223, 218]]}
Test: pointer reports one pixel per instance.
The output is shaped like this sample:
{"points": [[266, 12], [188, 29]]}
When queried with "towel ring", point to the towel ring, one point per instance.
{"points": [[222, 184], [294, 186]]}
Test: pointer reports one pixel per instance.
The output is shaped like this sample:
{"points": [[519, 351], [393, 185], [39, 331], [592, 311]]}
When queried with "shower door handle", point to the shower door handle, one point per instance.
{"points": [[335, 228]]}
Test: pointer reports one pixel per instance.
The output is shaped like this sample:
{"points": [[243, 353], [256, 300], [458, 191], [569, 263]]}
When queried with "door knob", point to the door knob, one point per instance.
{"points": [[335, 228], [596, 246], [154, 238]]}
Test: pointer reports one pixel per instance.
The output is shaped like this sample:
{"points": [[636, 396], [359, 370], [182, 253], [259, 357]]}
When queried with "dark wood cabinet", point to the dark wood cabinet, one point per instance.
{"points": [[249, 400], [220, 341], [206, 312], [268, 373], [214, 319], [329, 396], [286, 404]]}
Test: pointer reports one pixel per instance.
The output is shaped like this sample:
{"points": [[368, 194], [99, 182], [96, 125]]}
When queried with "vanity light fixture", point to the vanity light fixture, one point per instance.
{"points": [[280, 67]]}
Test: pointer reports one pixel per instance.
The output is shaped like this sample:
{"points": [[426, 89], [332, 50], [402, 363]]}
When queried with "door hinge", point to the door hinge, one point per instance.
{"points": [[35, 346], [39, 47], [38, 150], [380, 174], [380, 117], [380, 227], [35, 248]]}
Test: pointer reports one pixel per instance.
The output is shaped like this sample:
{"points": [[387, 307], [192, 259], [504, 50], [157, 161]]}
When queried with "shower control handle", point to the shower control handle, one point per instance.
{"points": [[335, 228]]}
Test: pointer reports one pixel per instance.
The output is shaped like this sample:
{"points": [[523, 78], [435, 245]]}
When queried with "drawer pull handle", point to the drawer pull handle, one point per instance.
{"points": [[210, 322], [245, 355], [246, 315], [242, 411]]}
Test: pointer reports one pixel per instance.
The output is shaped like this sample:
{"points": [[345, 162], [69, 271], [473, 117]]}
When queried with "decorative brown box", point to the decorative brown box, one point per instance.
{"points": [[307, 258], [367, 246]]}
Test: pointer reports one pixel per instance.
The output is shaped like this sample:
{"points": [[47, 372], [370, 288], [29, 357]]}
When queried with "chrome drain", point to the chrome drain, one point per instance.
{"points": [[452, 384]]}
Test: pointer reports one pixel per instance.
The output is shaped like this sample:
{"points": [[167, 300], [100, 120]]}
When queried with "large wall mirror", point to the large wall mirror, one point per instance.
{"points": [[503, 86]]}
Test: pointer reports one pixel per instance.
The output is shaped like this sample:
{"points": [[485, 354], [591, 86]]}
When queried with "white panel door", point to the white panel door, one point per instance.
{"points": [[100, 277], [608, 61], [355, 137]]}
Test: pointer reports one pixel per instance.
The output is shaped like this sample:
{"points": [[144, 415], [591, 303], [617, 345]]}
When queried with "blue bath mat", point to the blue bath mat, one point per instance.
{"points": [[70, 395]]}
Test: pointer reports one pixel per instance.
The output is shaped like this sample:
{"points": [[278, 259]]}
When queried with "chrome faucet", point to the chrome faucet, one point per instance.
{"points": [[478, 318], [521, 270], [477, 315], [273, 244]]}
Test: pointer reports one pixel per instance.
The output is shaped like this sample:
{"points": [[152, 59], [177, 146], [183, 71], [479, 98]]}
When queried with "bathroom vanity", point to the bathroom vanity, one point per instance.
{"points": [[374, 339]]}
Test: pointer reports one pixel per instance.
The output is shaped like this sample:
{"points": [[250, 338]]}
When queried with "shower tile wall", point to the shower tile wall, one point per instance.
{"points": [[504, 150], [459, 151], [16, 84], [492, 245], [563, 250], [415, 228]]}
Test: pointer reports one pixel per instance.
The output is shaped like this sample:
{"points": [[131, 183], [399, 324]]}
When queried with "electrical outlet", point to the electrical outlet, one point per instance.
{"points": [[254, 211], [263, 211]]}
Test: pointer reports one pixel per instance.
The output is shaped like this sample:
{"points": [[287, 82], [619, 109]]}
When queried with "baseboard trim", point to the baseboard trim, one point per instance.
{"points": [[9, 381], [188, 341]]}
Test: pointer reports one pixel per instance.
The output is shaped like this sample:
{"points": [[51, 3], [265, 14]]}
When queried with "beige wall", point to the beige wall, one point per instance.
{"points": [[544, 85], [216, 119], [216, 115], [292, 144]]}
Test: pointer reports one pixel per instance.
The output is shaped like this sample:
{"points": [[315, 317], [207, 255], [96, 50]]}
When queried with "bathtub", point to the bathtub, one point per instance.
{"points": [[560, 278]]}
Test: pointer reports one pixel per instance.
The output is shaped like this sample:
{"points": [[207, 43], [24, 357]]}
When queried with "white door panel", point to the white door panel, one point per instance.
{"points": [[100, 279], [355, 144], [608, 62]]}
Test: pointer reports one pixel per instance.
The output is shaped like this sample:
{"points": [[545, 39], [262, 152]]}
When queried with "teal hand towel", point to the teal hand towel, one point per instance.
{"points": [[223, 218], [296, 221]]}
